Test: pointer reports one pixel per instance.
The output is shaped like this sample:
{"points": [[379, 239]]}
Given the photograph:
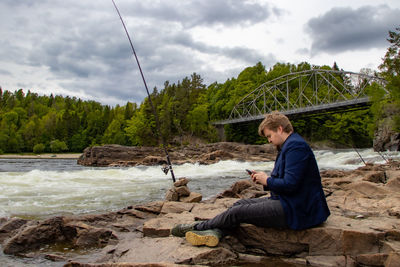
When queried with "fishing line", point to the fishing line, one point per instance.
{"points": [[158, 132]]}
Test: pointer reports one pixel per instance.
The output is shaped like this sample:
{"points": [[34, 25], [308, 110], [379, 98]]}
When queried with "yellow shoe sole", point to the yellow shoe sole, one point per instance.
{"points": [[199, 240]]}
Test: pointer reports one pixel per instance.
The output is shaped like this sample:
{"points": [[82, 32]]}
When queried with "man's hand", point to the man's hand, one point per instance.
{"points": [[259, 177]]}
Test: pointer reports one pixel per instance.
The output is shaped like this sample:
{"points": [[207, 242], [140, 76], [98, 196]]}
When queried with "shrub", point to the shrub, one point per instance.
{"points": [[39, 148], [57, 146]]}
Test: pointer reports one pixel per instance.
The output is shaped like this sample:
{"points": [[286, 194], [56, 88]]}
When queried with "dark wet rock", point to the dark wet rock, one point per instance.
{"points": [[385, 138], [193, 197], [32, 237], [9, 227]]}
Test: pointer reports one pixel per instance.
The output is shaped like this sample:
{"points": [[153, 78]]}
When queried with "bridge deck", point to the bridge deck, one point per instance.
{"points": [[348, 105]]}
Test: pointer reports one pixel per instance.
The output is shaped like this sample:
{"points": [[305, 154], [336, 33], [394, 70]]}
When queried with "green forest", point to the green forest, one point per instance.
{"points": [[40, 123]]}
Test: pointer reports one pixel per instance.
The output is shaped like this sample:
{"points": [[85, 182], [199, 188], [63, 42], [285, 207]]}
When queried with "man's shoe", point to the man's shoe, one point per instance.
{"points": [[181, 229], [209, 238]]}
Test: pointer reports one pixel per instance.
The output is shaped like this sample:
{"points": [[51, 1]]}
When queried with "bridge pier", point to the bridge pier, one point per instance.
{"points": [[221, 132]]}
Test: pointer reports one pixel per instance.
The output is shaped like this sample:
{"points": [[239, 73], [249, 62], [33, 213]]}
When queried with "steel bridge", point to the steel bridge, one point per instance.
{"points": [[303, 93]]}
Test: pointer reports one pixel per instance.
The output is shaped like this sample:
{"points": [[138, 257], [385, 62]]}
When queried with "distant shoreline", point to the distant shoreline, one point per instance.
{"points": [[41, 156]]}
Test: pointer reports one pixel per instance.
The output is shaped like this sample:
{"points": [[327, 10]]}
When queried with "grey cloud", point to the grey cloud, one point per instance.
{"points": [[84, 47], [199, 12], [346, 29], [5, 72]]}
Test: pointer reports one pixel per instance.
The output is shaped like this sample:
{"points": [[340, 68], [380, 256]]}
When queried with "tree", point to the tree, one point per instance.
{"points": [[39, 148], [57, 146], [114, 134], [390, 68]]}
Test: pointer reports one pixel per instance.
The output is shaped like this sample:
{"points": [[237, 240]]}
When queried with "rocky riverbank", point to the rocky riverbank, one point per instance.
{"points": [[117, 155], [363, 230]]}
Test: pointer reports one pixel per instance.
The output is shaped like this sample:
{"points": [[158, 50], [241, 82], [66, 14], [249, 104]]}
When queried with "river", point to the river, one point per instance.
{"points": [[40, 188]]}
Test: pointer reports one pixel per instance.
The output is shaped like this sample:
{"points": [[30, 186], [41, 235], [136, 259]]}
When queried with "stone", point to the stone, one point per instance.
{"points": [[181, 182], [55, 257], [33, 237], [176, 207], [124, 264], [203, 211], [377, 259], [376, 177], [182, 191], [171, 195], [10, 226], [193, 197], [153, 207], [393, 260], [243, 189], [356, 242], [385, 138], [161, 227], [94, 237], [153, 160], [326, 261]]}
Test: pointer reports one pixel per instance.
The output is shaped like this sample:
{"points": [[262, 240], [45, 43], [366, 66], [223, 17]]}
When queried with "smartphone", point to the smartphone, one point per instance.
{"points": [[249, 172]]}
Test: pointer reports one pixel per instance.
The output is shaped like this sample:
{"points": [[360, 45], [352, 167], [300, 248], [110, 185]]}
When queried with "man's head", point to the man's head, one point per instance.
{"points": [[276, 127]]}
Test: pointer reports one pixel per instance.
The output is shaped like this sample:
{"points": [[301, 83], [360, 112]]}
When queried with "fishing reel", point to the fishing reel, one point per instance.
{"points": [[165, 169]]}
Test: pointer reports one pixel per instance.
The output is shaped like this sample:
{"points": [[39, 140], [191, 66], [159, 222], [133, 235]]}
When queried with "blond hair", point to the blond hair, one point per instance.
{"points": [[273, 120]]}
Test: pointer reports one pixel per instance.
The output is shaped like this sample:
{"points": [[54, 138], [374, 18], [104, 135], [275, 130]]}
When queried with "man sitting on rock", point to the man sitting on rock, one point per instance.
{"points": [[297, 200]]}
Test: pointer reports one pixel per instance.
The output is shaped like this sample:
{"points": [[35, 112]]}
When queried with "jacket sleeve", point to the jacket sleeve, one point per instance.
{"points": [[295, 161]]}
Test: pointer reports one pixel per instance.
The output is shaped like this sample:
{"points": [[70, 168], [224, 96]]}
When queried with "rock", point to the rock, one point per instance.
{"points": [[124, 264], [171, 195], [153, 160], [153, 207], [376, 177], [393, 260], [10, 226], [192, 198], [243, 189], [377, 259], [117, 155], [203, 211], [176, 207], [216, 155], [32, 237], [55, 257], [385, 138], [94, 237], [181, 182], [182, 191], [173, 250], [326, 261], [161, 227]]}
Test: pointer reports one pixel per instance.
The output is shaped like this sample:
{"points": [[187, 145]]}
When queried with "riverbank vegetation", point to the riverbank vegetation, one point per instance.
{"points": [[38, 123]]}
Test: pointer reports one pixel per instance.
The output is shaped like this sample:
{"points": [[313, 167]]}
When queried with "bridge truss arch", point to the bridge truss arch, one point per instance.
{"points": [[305, 92]]}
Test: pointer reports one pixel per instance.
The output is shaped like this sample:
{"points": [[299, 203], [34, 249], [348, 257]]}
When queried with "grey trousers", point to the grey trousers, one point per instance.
{"points": [[261, 212]]}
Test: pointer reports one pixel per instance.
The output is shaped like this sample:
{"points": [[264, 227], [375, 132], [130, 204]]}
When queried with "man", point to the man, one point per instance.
{"points": [[297, 200]]}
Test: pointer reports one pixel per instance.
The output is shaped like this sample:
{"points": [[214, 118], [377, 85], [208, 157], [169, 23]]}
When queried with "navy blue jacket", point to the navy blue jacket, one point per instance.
{"points": [[296, 182]]}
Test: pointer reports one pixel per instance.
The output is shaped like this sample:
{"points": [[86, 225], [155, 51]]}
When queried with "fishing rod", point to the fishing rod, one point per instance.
{"points": [[158, 132], [359, 155]]}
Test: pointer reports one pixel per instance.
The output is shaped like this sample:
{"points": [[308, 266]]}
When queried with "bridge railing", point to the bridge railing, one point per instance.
{"points": [[312, 89]]}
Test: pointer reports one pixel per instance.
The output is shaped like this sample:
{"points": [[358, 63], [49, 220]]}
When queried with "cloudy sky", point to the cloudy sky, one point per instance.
{"points": [[79, 48]]}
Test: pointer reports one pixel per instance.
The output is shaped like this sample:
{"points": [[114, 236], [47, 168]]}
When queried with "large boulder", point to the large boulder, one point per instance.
{"points": [[117, 155], [385, 138]]}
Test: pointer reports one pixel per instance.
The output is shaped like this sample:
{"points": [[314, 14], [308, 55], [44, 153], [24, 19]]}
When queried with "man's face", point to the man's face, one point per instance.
{"points": [[277, 137]]}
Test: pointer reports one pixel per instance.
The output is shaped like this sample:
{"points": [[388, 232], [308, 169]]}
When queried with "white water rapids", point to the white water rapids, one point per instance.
{"points": [[61, 187]]}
